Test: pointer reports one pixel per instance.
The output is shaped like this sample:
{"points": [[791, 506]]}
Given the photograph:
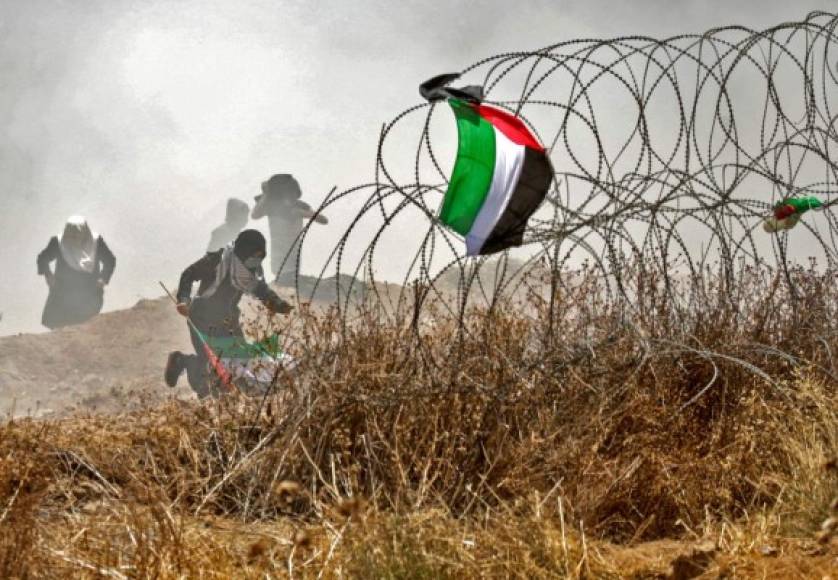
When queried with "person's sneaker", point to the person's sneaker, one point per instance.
{"points": [[174, 366]]}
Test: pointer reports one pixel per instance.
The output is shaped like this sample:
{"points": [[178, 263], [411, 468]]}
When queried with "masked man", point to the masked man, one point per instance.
{"points": [[224, 277]]}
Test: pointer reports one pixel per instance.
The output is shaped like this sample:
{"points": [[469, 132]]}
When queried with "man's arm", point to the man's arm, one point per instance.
{"points": [[259, 208], [308, 213], [106, 257], [49, 254], [271, 299], [200, 271]]}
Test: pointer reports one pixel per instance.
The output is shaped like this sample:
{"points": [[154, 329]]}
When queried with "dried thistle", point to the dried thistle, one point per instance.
{"points": [[351, 506], [302, 539]]}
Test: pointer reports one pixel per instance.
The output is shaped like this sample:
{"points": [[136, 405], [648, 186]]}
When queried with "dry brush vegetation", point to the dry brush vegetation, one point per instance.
{"points": [[573, 437]]}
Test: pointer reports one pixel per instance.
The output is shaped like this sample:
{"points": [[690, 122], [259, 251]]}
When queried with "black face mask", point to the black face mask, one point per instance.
{"points": [[253, 262]]}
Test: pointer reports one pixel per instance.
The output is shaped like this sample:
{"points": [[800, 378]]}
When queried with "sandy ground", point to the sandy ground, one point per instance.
{"points": [[113, 362]]}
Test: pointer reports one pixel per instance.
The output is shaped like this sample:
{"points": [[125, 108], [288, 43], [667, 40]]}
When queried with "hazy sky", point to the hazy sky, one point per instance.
{"points": [[146, 115]]}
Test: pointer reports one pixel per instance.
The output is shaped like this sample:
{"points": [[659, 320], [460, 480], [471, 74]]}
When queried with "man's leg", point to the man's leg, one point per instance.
{"points": [[196, 366], [174, 368], [284, 262]]}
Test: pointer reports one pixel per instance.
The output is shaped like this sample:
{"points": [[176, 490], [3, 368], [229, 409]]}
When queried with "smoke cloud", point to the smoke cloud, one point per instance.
{"points": [[145, 116]]}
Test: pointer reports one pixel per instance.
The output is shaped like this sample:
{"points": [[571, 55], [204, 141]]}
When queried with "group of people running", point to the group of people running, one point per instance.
{"points": [[231, 268]]}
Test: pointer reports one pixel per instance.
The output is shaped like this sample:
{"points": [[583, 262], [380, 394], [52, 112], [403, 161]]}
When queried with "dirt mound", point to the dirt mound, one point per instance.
{"points": [[112, 362]]}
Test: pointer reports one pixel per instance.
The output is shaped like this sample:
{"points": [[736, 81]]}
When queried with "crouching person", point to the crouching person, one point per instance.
{"points": [[224, 276]]}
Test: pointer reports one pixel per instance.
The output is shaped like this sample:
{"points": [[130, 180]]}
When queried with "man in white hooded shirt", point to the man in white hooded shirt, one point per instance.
{"points": [[280, 202], [83, 267]]}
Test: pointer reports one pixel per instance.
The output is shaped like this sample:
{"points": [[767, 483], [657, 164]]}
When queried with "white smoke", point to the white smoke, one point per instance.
{"points": [[145, 116]]}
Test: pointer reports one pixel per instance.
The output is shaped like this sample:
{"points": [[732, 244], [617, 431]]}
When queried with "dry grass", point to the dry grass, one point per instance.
{"points": [[529, 441]]}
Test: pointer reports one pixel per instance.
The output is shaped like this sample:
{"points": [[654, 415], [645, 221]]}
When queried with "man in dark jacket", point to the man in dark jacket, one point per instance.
{"points": [[224, 277]]}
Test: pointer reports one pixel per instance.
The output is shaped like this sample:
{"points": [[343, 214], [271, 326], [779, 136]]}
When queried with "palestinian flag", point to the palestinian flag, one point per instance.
{"points": [[788, 212], [224, 375], [222, 351], [500, 177]]}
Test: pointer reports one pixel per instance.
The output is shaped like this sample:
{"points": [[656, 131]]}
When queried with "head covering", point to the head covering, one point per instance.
{"points": [[237, 211], [282, 185], [232, 267], [78, 244], [248, 243]]}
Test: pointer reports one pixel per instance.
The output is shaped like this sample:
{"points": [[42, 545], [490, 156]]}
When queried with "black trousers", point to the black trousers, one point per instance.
{"points": [[196, 365], [211, 321]]}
